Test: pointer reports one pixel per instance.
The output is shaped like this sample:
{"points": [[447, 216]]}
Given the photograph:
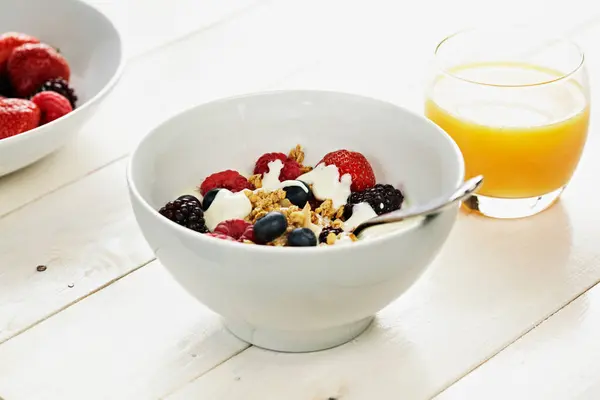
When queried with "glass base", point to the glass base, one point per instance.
{"points": [[506, 208]]}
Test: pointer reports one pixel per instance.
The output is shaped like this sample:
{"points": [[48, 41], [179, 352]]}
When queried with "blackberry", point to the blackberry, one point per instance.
{"points": [[326, 231], [186, 211], [381, 198], [60, 86]]}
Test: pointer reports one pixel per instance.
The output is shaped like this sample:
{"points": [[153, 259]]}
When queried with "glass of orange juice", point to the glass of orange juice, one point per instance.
{"points": [[517, 104]]}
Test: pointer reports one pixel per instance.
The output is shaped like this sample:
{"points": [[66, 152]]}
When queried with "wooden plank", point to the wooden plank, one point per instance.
{"points": [[246, 54], [138, 339], [493, 282], [85, 235], [557, 360]]}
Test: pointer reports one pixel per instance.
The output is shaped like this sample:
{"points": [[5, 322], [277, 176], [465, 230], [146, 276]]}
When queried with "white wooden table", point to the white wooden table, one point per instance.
{"points": [[509, 310]]}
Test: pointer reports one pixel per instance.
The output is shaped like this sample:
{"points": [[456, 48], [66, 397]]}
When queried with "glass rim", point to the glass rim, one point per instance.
{"points": [[557, 37]]}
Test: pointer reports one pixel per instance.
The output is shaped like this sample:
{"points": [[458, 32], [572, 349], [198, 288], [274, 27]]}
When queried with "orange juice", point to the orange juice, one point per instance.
{"points": [[526, 141]]}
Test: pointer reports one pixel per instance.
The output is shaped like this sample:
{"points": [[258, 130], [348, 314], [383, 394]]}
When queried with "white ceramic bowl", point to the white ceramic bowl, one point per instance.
{"points": [[294, 299], [92, 46]]}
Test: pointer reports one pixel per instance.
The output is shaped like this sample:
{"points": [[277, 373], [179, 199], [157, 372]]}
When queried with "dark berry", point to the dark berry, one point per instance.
{"points": [[185, 211], [297, 195], [302, 237], [381, 198], [5, 89], [326, 231], [270, 227], [208, 198], [60, 86], [188, 197]]}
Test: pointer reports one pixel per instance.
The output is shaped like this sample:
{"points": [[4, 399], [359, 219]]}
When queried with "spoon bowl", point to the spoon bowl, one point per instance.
{"points": [[464, 191]]}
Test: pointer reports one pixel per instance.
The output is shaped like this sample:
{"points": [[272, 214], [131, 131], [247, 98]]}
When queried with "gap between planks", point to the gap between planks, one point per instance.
{"points": [[469, 371], [77, 300]]}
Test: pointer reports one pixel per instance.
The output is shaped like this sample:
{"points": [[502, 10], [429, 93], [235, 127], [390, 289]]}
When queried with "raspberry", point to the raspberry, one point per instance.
{"points": [[228, 179], [237, 229], [60, 86], [220, 236], [185, 211], [290, 171], [381, 198], [262, 164], [326, 231], [52, 105]]}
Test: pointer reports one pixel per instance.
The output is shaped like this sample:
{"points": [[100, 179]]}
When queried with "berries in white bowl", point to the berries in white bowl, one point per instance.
{"points": [[293, 295], [286, 202], [52, 76]]}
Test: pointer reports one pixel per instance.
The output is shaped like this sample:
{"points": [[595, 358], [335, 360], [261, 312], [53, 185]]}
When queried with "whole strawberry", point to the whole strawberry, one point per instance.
{"points": [[52, 105], [10, 41], [355, 164], [17, 116], [30, 65]]}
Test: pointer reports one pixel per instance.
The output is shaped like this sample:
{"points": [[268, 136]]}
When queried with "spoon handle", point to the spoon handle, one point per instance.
{"points": [[435, 206]]}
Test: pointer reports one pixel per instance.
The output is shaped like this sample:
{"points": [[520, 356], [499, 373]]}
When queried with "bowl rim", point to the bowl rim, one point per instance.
{"points": [[261, 249], [102, 93]]}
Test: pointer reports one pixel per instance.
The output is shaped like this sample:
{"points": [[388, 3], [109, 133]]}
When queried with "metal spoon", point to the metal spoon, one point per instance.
{"points": [[464, 191]]}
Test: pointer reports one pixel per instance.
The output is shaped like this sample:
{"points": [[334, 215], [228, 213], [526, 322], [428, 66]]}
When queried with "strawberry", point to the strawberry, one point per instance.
{"points": [[355, 164], [17, 116], [237, 229], [228, 179], [52, 105], [10, 41], [290, 171], [30, 65]]}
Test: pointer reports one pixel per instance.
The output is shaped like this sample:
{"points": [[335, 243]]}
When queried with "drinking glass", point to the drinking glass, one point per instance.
{"points": [[517, 104]]}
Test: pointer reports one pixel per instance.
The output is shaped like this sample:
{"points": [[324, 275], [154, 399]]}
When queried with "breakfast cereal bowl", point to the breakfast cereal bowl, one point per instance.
{"points": [[292, 298], [92, 47]]}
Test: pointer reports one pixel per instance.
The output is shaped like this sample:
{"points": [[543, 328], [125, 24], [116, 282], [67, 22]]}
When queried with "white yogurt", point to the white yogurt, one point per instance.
{"points": [[360, 213], [326, 184], [227, 205], [270, 179]]}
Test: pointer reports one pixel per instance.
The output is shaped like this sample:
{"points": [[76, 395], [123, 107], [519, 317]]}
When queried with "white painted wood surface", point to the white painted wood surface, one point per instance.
{"points": [[141, 337], [559, 359]]}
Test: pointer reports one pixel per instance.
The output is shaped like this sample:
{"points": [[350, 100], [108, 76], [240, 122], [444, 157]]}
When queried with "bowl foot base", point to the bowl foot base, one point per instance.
{"points": [[297, 341]]}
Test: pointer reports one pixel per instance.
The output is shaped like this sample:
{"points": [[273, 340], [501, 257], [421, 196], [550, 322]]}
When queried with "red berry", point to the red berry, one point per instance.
{"points": [[17, 116], [237, 229], [228, 179], [10, 41], [52, 105], [262, 164], [32, 64], [355, 164], [220, 236], [290, 171]]}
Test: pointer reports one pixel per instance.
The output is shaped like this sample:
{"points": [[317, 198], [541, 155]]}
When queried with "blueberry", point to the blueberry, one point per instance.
{"points": [[208, 198], [188, 197], [301, 237], [297, 195], [269, 227]]}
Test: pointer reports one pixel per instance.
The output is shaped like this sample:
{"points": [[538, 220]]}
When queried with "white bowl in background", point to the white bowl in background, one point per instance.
{"points": [[285, 298], [93, 47]]}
